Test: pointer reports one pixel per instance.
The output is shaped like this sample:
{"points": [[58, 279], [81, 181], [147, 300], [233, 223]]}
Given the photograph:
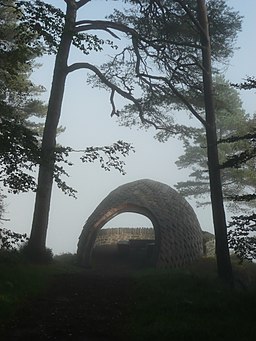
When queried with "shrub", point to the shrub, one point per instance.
{"points": [[44, 257]]}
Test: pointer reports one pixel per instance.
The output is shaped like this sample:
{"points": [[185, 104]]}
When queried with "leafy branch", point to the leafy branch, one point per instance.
{"points": [[242, 237], [108, 156]]}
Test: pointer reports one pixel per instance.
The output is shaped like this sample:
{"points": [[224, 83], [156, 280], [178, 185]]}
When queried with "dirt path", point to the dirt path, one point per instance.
{"points": [[91, 305]]}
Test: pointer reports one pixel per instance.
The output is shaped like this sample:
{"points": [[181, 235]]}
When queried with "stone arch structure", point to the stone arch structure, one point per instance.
{"points": [[178, 235]]}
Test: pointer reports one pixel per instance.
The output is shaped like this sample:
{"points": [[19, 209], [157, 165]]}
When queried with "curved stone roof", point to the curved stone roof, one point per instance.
{"points": [[177, 230]]}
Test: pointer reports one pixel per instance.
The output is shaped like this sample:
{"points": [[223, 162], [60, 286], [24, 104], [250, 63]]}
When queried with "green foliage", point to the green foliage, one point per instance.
{"points": [[111, 154], [10, 240], [182, 305], [46, 23], [37, 27], [164, 63], [241, 158], [19, 154], [231, 120], [109, 157], [248, 84], [41, 23], [242, 228], [242, 237], [19, 141], [21, 280]]}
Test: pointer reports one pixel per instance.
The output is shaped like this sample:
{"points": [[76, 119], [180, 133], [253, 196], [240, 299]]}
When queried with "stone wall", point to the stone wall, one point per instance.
{"points": [[113, 235]]}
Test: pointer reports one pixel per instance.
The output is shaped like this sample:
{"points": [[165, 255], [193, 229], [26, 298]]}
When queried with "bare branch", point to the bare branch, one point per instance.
{"points": [[111, 33], [114, 111], [85, 25], [112, 86], [81, 3]]}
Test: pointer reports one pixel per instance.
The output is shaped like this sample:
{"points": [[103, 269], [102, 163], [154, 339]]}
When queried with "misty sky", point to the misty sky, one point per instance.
{"points": [[86, 116]]}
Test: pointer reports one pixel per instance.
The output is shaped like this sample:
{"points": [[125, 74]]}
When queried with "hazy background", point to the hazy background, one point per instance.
{"points": [[86, 116]]}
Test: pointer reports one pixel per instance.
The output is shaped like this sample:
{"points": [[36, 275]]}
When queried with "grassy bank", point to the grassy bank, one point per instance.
{"points": [[190, 305]]}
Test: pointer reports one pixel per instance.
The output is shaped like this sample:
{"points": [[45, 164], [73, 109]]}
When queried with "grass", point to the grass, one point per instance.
{"points": [[17, 282], [20, 280], [187, 304]]}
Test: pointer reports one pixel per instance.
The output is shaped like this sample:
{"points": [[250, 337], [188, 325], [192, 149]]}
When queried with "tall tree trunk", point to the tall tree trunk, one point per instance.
{"points": [[36, 245], [219, 220]]}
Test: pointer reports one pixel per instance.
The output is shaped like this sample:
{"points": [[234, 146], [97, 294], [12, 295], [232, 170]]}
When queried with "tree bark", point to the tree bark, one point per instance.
{"points": [[36, 245], [219, 220]]}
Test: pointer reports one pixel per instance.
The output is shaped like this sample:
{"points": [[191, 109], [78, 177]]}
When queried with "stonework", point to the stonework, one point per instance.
{"points": [[178, 236], [112, 236]]}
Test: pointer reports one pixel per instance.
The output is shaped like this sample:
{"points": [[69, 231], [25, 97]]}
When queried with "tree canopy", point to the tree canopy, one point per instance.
{"points": [[231, 120], [19, 141], [165, 60], [242, 227], [27, 30]]}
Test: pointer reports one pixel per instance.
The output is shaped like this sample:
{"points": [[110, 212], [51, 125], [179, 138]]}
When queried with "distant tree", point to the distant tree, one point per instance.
{"points": [[242, 236], [19, 150], [230, 120], [242, 228], [248, 84], [20, 136]]}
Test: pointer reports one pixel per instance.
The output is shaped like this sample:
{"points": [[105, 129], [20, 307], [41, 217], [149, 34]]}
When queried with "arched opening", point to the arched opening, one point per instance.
{"points": [[127, 240], [178, 236], [129, 219]]}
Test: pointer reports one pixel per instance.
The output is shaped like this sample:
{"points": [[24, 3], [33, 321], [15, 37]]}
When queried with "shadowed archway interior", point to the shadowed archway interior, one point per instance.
{"points": [[178, 235]]}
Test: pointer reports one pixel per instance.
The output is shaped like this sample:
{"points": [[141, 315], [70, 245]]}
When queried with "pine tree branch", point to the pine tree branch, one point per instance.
{"points": [[191, 16], [114, 88], [86, 25], [176, 92]]}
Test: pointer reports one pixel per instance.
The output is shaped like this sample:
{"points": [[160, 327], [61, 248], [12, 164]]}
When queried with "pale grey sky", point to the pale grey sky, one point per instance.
{"points": [[86, 116]]}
